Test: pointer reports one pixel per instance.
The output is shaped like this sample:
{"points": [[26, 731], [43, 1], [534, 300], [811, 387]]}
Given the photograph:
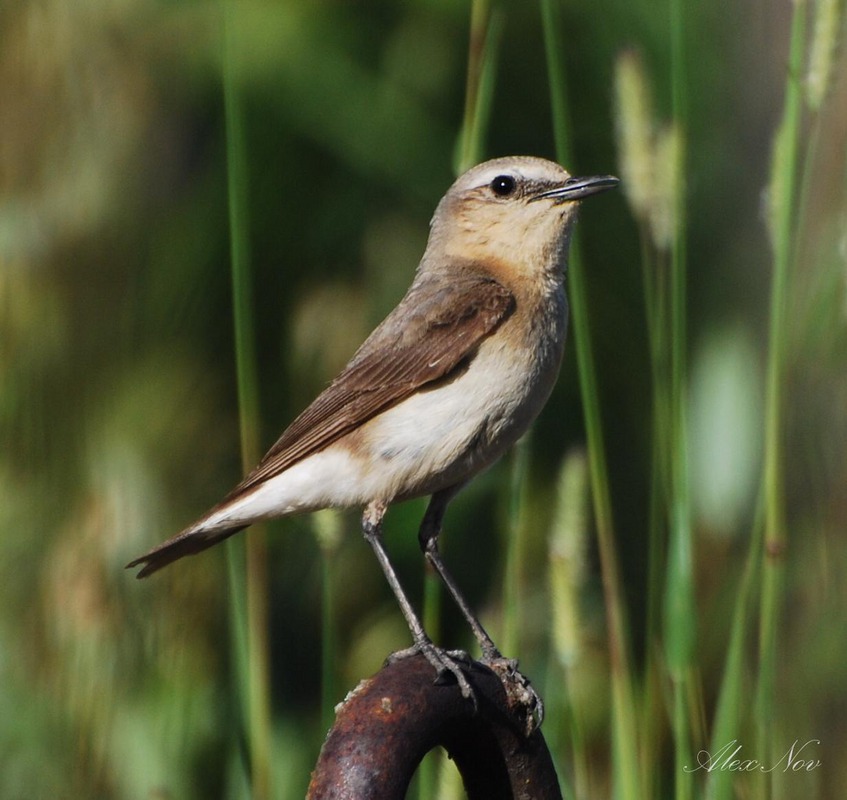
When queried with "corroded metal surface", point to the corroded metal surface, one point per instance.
{"points": [[390, 721]]}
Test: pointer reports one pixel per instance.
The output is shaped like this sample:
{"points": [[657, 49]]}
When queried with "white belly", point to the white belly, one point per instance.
{"points": [[436, 438]]}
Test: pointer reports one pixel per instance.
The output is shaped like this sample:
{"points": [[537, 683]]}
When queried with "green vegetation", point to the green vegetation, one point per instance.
{"points": [[205, 207]]}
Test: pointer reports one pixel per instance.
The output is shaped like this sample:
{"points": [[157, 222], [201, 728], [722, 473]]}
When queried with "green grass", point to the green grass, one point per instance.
{"points": [[783, 208], [625, 741], [670, 679], [247, 571], [298, 154]]}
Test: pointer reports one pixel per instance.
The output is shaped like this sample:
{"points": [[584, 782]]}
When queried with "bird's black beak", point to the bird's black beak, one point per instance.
{"points": [[578, 188]]}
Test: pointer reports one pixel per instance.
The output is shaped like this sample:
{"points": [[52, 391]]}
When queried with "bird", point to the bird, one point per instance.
{"points": [[439, 391]]}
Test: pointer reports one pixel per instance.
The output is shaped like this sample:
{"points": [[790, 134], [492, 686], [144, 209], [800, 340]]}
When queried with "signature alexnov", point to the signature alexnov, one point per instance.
{"points": [[798, 758]]}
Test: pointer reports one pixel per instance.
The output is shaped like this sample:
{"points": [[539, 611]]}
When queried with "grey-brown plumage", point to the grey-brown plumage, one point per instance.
{"points": [[442, 387]]}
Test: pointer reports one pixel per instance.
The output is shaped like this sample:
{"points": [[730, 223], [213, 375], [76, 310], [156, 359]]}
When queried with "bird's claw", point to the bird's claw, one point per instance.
{"points": [[449, 665], [522, 697]]}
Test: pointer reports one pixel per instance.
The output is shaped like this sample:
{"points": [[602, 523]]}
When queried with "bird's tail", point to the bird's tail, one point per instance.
{"points": [[192, 540]]}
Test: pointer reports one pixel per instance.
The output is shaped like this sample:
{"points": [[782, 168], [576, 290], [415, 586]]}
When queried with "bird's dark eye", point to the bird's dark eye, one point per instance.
{"points": [[503, 185]]}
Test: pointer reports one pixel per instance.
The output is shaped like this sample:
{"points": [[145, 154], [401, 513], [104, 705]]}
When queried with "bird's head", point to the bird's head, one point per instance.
{"points": [[516, 210]]}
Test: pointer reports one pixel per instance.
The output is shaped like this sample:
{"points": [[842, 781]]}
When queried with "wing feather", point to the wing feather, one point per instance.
{"points": [[433, 330]]}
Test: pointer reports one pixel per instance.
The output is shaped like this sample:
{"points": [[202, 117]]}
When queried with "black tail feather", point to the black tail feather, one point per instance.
{"points": [[186, 543]]}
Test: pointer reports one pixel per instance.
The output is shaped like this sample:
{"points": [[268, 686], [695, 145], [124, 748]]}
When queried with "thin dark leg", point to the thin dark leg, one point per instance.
{"points": [[428, 539], [442, 660], [517, 686]]}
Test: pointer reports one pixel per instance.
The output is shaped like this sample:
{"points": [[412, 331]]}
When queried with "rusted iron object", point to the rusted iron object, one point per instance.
{"points": [[390, 721]]}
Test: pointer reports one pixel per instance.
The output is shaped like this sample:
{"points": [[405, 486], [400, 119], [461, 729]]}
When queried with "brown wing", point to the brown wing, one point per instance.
{"points": [[435, 328]]}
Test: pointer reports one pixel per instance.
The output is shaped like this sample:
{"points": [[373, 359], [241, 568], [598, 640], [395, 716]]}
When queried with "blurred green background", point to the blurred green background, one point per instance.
{"points": [[118, 407]]}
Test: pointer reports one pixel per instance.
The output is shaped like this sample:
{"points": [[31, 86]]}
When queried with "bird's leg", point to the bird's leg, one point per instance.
{"points": [[518, 687], [443, 661], [428, 539]]}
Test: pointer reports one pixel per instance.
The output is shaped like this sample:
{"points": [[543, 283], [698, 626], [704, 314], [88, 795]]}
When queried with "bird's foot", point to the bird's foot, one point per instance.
{"points": [[449, 665], [524, 701]]}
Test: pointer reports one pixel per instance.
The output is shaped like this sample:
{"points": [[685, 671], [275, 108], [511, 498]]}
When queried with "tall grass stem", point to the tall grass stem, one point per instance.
{"points": [[782, 228], [251, 583], [680, 616], [328, 530], [730, 702], [486, 28], [627, 773], [567, 559], [515, 547]]}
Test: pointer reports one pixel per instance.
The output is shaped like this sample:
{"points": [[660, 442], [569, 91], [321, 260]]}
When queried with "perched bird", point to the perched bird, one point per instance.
{"points": [[441, 388]]}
